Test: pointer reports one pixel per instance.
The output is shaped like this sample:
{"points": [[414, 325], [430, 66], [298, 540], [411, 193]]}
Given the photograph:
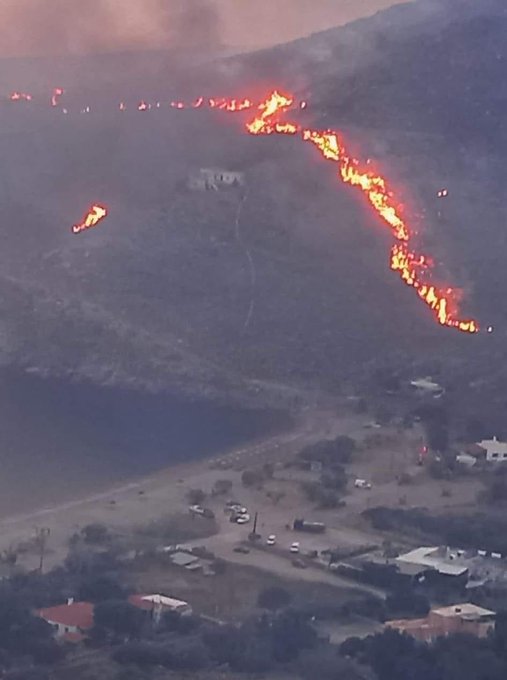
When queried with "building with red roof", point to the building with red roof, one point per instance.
{"points": [[70, 621]]}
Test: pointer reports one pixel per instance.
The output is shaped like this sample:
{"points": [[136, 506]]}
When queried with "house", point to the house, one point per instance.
{"points": [[184, 559], [158, 605], [70, 621], [496, 451], [214, 179], [461, 618], [427, 387], [443, 561]]}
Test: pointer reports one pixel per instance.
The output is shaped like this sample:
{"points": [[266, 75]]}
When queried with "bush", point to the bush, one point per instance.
{"points": [[119, 616], [273, 598], [95, 534], [196, 496], [325, 498], [251, 478], [405, 603], [330, 452], [325, 664], [221, 487]]}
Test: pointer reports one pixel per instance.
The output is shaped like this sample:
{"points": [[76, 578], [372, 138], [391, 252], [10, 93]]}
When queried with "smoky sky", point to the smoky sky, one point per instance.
{"points": [[48, 27]]}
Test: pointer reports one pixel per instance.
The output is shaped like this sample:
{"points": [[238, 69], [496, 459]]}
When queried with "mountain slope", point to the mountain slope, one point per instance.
{"points": [[160, 294]]}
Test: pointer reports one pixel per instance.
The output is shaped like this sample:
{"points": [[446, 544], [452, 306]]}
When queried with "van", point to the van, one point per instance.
{"points": [[362, 484]]}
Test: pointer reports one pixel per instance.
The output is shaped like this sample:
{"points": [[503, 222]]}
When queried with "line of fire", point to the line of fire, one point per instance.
{"points": [[414, 269]]}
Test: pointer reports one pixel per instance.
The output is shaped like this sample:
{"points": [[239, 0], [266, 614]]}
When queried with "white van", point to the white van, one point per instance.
{"points": [[362, 484]]}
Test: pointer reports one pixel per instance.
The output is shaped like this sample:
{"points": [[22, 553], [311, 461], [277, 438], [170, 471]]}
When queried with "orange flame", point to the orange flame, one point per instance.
{"points": [[55, 98], [94, 215], [20, 96], [411, 267]]}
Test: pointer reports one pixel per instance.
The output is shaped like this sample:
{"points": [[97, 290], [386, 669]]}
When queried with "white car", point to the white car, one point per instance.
{"points": [[271, 540], [243, 519], [294, 548]]}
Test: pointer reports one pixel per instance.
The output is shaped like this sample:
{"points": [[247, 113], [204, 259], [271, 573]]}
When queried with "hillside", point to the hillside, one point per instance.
{"points": [[159, 296]]}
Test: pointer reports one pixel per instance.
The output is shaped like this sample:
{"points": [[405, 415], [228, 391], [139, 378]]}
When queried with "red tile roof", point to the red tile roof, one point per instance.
{"points": [[79, 614]]}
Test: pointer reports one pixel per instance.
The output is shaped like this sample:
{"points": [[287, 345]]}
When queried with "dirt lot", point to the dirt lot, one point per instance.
{"points": [[232, 595]]}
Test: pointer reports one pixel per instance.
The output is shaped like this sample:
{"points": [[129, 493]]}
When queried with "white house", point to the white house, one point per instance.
{"points": [[426, 386], [214, 179], [70, 621], [158, 605], [496, 451]]}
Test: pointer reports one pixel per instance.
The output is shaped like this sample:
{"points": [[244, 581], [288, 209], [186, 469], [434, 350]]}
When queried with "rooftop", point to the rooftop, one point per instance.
{"points": [[432, 558], [78, 614], [465, 611], [494, 445], [183, 559], [149, 601]]}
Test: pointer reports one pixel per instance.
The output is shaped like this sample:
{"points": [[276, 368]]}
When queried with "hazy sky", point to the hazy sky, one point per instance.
{"points": [[59, 26]]}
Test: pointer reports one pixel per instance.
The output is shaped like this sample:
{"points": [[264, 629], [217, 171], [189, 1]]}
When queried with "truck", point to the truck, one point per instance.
{"points": [[310, 527]]}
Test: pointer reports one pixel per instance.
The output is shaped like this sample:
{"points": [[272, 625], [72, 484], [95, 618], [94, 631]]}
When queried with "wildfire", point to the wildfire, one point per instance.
{"points": [[55, 97], [94, 215], [413, 269], [20, 96], [220, 103]]}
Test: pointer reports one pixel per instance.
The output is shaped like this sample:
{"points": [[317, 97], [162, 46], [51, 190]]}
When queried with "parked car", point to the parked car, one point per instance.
{"points": [[196, 510], [294, 548], [271, 540], [241, 549], [362, 484], [242, 519], [298, 563]]}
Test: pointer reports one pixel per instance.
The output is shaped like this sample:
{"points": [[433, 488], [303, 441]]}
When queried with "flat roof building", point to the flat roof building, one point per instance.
{"points": [[460, 618]]}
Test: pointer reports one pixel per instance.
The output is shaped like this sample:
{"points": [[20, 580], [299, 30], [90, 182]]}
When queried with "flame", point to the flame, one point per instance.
{"points": [[411, 267], [415, 270], [55, 98], [94, 215], [20, 96]]}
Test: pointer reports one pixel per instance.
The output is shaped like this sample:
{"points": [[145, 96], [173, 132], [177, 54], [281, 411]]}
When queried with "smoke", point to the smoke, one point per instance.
{"points": [[49, 27]]}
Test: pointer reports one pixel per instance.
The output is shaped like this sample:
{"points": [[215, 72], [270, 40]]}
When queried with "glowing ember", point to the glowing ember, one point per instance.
{"points": [[20, 96], [95, 215], [55, 98]]}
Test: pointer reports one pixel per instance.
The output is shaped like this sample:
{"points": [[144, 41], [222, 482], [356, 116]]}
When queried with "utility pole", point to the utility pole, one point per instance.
{"points": [[41, 537]]}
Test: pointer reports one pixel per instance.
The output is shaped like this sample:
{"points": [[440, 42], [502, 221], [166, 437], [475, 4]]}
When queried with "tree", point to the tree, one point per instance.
{"points": [[405, 603], [251, 478], [436, 424], [120, 617], [386, 651], [325, 498], [273, 598], [325, 663], [268, 470], [196, 496], [337, 479], [95, 534], [330, 452], [100, 588], [221, 487], [290, 633]]}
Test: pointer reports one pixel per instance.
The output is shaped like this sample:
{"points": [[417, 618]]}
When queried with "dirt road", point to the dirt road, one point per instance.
{"points": [[145, 500]]}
